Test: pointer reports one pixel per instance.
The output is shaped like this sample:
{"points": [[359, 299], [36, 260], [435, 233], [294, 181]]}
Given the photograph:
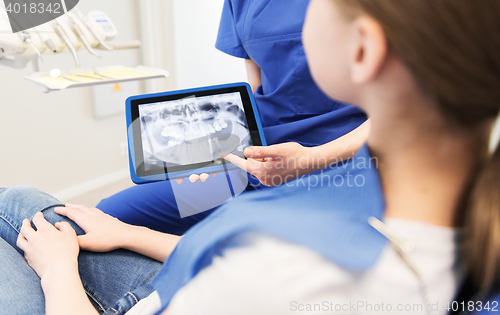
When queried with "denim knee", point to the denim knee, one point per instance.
{"points": [[16, 193], [19, 190], [22, 202]]}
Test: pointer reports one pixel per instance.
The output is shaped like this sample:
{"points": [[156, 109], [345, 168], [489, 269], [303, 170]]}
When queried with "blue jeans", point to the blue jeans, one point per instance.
{"points": [[114, 281]]}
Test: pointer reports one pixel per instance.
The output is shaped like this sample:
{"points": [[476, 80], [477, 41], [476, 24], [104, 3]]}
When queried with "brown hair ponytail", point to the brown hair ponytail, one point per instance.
{"points": [[452, 47], [481, 246]]}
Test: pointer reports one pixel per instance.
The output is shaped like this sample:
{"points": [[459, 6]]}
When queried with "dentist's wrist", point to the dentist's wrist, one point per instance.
{"points": [[318, 158]]}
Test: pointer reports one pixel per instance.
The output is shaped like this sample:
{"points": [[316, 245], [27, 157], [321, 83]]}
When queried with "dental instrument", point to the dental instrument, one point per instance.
{"points": [[83, 38], [48, 42], [75, 31], [102, 75], [23, 35], [89, 76], [69, 79], [87, 23], [26, 37], [62, 34]]}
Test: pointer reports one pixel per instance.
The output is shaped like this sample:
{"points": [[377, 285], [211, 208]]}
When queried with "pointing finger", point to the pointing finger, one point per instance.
{"points": [[236, 160], [272, 151], [251, 166]]}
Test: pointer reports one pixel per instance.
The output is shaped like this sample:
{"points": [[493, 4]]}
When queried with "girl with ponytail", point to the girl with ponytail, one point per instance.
{"points": [[450, 49]]}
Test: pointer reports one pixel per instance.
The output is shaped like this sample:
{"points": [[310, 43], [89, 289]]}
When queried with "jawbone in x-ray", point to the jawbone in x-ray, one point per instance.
{"points": [[193, 130]]}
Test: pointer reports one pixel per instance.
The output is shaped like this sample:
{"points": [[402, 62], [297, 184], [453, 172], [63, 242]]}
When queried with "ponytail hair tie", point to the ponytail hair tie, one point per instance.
{"points": [[494, 137]]}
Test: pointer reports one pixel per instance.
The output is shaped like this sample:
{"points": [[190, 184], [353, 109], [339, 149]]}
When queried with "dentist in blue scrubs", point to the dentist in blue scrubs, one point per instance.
{"points": [[301, 124]]}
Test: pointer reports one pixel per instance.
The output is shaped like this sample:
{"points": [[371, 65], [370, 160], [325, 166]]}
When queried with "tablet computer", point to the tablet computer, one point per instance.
{"points": [[179, 133]]}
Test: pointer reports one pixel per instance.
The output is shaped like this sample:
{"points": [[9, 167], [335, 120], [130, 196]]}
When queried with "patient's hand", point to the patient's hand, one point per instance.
{"points": [[50, 248], [103, 233]]}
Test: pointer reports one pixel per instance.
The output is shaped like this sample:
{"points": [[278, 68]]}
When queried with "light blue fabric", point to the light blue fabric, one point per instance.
{"points": [[114, 281], [291, 106], [326, 212], [20, 289]]}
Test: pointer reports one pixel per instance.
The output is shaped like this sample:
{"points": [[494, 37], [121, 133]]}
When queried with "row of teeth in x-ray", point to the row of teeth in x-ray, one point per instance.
{"points": [[189, 143], [200, 150], [218, 125]]}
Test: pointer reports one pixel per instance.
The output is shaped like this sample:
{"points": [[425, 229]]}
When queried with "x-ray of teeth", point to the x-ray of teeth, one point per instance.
{"points": [[193, 130]]}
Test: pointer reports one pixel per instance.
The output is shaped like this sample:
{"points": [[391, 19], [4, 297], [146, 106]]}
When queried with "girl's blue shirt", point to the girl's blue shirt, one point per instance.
{"points": [[291, 106], [327, 212]]}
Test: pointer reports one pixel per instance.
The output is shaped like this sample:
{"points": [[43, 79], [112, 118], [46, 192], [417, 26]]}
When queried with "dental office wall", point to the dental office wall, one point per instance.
{"points": [[54, 142], [198, 63]]}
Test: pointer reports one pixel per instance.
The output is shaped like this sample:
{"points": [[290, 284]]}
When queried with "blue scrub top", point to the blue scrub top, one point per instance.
{"points": [[291, 106]]}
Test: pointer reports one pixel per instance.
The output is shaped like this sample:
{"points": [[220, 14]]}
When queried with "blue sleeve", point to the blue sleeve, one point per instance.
{"points": [[228, 39]]}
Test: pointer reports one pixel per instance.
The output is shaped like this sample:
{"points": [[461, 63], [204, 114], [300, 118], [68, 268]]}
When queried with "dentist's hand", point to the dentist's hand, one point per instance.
{"points": [[103, 233], [50, 248], [195, 177], [277, 164]]}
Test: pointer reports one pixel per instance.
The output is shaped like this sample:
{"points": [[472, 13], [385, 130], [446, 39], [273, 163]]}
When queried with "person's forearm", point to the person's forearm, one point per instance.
{"points": [[340, 149], [64, 292], [147, 242]]}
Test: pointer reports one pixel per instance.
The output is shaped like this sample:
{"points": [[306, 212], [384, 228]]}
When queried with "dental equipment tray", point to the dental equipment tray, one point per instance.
{"points": [[179, 133], [59, 80]]}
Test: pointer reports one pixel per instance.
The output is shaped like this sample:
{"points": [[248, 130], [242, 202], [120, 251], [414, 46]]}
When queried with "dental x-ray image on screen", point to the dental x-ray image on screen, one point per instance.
{"points": [[193, 130]]}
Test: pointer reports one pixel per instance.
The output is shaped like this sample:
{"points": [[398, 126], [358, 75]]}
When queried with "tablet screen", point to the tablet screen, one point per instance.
{"points": [[192, 130]]}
